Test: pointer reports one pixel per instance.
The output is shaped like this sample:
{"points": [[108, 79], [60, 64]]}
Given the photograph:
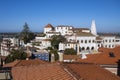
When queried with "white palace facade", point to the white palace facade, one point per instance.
{"points": [[83, 40]]}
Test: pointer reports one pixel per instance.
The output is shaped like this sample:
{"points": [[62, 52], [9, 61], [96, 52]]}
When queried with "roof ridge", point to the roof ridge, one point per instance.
{"points": [[70, 71]]}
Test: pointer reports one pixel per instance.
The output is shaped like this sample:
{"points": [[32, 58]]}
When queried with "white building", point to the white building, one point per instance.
{"points": [[8, 44], [48, 28], [64, 30], [108, 41], [45, 43], [50, 34], [99, 42], [68, 45], [86, 41]]}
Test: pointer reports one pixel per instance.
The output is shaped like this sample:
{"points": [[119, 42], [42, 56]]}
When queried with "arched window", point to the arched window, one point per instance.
{"points": [[83, 48], [87, 48], [92, 48]]}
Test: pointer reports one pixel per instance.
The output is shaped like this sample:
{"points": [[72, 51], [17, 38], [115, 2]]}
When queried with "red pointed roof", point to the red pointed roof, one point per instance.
{"points": [[48, 26]]}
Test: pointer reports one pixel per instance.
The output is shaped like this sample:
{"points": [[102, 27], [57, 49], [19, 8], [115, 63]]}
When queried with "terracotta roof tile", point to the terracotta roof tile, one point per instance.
{"points": [[48, 26], [41, 72], [25, 63], [104, 57], [37, 70], [90, 72]]}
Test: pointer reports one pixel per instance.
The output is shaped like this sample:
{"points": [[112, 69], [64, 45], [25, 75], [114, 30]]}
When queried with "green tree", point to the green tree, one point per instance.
{"points": [[16, 54], [70, 51], [26, 35], [56, 39]]}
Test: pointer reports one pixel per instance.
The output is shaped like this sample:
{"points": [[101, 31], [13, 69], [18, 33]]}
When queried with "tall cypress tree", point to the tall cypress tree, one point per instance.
{"points": [[26, 35]]}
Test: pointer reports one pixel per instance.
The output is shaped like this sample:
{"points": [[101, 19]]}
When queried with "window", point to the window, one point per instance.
{"points": [[113, 40], [109, 46], [105, 40], [89, 41], [98, 45], [111, 54], [83, 48], [109, 40], [68, 44], [87, 48], [81, 41], [85, 41], [93, 41], [92, 48]]}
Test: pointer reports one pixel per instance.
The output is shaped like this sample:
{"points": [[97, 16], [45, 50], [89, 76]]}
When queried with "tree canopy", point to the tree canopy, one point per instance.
{"points": [[56, 39], [26, 35], [70, 51], [16, 54]]}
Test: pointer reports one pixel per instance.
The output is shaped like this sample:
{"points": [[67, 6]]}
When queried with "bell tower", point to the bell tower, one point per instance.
{"points": [[93, 28]]}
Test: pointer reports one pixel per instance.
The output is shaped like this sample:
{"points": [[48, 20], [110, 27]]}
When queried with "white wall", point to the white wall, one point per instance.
{"points": [[63, 29], [47, 30], [84, 38], [108, 41]]}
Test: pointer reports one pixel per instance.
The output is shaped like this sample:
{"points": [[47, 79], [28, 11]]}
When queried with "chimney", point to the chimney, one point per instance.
{"points": [[118, 68]]}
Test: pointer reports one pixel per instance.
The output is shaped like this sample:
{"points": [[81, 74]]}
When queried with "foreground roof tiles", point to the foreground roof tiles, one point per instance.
{"points": [[90, 72], [41, 72]]}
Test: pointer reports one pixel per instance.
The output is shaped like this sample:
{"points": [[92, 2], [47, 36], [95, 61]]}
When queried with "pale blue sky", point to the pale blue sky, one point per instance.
{"points": [[78, 13]]}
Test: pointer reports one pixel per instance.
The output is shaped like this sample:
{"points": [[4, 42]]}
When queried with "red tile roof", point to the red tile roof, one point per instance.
{"points": [[48, 26], [25, 63], [90, 72], [103, 57], [41, 72]]}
